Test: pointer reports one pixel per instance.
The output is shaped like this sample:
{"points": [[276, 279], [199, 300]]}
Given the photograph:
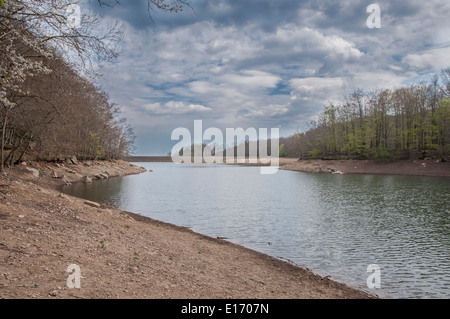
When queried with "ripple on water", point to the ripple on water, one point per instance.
{"points": [[332, 224]]}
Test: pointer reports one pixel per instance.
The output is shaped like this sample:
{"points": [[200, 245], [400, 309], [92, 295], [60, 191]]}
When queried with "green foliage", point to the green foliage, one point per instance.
{"points": [[100, 152], [381, 154], [409, 122], [2, 3], [315, 153], [282, 151]]}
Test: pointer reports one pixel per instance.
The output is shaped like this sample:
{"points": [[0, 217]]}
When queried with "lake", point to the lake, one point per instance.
{"points": [[334, 225]]}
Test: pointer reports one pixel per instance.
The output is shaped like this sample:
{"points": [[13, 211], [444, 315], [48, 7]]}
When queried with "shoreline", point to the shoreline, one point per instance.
{"points": [[126, 255], [428, 168]]}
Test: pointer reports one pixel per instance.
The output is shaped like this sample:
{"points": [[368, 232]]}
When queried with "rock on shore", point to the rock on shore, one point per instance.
{"points": [[72, 171], [404, 167]]}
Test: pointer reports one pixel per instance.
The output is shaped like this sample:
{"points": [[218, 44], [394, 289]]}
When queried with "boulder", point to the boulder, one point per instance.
{"points": [[87, 179], [66, 180], [34, 171], [75, 178], [93, 204], [74, 160], [57, 174]]}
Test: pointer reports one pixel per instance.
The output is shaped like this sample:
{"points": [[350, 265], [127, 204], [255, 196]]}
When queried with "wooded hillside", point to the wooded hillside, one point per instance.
{"points": [[404, 123], [50, 107]]}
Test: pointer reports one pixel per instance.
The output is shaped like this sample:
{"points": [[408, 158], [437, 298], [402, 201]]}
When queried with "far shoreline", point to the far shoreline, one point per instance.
{"points": [[428, 167], [424, 168]]}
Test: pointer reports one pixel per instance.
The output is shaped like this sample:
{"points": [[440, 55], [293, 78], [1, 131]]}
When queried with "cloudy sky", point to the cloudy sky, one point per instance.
{"points": [[264, 63]]}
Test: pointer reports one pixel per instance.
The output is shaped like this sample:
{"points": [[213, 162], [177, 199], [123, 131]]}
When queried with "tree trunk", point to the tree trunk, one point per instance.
{"points": [[3, 142]]}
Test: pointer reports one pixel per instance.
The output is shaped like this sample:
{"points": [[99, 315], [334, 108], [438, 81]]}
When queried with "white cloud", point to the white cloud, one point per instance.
{"points": [[377, 80], [341, 47], [244, 74], [250, 80], [325, 90], [173, 107], [434, 58], [310, 42], [317, 89], [265, 111]]}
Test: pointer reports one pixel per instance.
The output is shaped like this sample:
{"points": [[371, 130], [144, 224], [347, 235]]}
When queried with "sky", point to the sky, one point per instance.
{"points": [[264, 63]]}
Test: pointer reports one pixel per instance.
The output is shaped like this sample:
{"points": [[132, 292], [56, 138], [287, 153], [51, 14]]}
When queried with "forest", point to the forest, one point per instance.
{"points": [[51, 55], [410, 122]]}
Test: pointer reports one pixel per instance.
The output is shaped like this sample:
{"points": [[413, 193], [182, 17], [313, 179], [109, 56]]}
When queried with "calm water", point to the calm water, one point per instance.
{"points": [[334, 225]]}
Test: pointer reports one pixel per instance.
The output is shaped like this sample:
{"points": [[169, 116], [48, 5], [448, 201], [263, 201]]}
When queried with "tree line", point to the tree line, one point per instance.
{"points": [[409, 122], [50, 106]]}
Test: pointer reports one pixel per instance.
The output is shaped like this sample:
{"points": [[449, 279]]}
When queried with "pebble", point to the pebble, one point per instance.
{"points": [[53, 293]]}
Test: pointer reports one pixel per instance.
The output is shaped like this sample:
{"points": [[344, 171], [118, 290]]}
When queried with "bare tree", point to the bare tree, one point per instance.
{"points": [[34, 32], [445, 76]]}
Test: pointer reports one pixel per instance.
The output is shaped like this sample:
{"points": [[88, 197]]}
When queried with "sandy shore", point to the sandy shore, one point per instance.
{"points": [[410, 168], [124, 255]]}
